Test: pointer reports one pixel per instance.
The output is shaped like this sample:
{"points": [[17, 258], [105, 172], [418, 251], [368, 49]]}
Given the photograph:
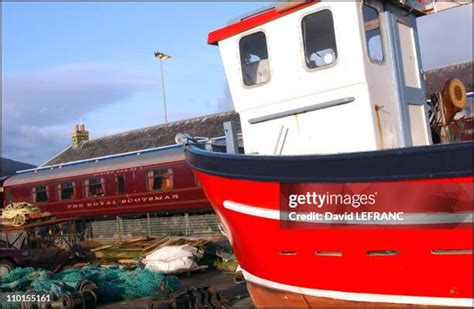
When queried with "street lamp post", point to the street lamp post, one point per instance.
{"points": [[162, 56]]}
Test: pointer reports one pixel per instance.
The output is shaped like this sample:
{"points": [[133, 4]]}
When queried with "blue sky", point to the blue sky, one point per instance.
{"points": [[64, 63]]}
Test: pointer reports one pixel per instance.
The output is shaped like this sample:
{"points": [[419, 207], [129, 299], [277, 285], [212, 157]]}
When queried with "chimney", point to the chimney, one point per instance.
{"points": [[79, 135]]}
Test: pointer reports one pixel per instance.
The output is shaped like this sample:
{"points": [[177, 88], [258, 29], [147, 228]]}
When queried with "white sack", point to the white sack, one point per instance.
{"points": [[171, 253], [178, 265], [171, 259]]}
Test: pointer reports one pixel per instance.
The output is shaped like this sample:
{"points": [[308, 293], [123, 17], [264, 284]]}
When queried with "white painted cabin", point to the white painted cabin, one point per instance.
{"points": [[326, 77]]}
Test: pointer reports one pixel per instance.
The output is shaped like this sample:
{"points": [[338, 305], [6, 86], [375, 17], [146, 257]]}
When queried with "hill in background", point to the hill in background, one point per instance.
{"points": [[9, 167]]}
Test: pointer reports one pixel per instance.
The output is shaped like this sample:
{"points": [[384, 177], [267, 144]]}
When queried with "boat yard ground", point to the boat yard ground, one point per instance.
{"points": [[211, 280], [222, 282]]}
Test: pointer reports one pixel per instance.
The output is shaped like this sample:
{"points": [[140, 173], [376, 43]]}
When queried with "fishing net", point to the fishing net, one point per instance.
{"points": [[17, 279], [6, 303], [113, 283]]}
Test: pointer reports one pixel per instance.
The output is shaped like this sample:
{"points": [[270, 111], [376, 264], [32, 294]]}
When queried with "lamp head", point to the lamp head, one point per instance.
{"points": [[162, 56]]}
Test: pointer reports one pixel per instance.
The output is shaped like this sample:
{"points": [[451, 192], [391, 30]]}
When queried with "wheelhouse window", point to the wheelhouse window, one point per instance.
{"points": [[66, 190], [40, 194], [120, 183], [319, 39], [160, 179], [373, 34], [94, 187], [254, 59]]}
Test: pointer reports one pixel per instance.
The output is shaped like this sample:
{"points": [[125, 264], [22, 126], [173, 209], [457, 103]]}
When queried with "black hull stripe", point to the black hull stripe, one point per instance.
{"points": [[424, 162]]}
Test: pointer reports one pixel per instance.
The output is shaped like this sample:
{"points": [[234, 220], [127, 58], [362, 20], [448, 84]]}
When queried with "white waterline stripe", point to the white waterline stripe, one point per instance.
{"points": [[253, 211], [408, 218], [362, 297]]}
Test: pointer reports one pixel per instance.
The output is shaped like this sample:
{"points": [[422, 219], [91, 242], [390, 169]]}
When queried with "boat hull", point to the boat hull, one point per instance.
{"points": [[425, 260], [276, 298]]}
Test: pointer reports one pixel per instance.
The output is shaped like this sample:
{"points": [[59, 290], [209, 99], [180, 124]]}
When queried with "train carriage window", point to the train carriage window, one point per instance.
{"points": [[66, 190], [120, 183], [254, 59], [160, 179], [319, 39], [373, 34], [94, 187], [40, 194]]}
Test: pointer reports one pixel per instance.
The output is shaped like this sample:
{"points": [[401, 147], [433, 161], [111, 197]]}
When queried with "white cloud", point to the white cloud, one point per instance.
{"points": [[32, 144], [35, 104], [60, 95]]}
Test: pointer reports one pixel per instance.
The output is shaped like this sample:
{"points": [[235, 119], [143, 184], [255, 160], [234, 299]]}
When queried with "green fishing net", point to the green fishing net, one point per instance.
{"points": [[113, 283]]}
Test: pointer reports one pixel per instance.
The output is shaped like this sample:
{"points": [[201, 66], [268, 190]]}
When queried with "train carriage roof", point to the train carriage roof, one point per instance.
{"points": [[156, 156]]}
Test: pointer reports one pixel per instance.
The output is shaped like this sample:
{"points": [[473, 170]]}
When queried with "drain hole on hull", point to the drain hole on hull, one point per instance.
{"points": [[328, 253], [451, 251], [382, 252], [288, 253]]}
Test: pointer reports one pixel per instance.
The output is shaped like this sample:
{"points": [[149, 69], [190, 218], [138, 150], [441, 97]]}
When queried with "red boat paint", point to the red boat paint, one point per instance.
{"points": [[332, 107], [135, 198], [252, 22], [426, 260]]}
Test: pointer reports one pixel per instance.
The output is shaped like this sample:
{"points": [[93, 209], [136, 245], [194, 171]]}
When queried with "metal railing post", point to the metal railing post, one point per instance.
{"points": [[148, 224], [187, 227], [231, 141]]}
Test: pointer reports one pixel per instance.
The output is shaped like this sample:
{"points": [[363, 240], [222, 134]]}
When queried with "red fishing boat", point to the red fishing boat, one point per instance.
{"points": [[341, 197]]}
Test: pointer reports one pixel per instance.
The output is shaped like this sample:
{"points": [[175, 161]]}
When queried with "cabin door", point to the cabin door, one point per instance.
{"points": [[408, 77]]}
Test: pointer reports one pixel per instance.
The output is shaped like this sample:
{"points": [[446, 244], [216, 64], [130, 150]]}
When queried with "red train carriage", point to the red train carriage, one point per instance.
{"points": [[156, 180], [1, 189]]}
